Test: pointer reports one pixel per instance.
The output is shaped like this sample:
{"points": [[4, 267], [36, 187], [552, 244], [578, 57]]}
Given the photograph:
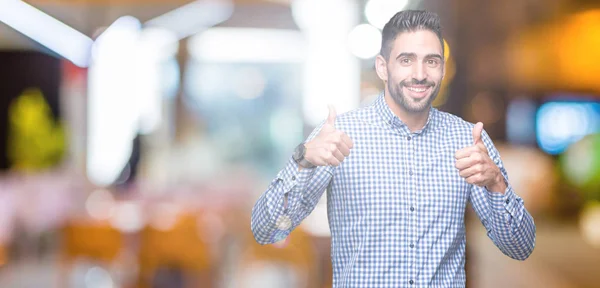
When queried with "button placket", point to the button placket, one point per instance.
{"points": [[412, 178]]}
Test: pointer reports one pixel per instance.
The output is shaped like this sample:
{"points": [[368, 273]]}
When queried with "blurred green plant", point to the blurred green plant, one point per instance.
{"points": [[580, 164], [35, 140]]}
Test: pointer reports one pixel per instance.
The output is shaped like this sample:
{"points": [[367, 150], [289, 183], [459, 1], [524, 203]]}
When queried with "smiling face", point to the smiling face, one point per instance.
{"points": [[414, 70]]}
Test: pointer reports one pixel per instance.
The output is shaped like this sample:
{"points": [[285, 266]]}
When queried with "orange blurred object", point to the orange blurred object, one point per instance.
{"points": [[296, 252], [2, 255], [97, 240], [91, 240], [179, 246], [560, 55]]}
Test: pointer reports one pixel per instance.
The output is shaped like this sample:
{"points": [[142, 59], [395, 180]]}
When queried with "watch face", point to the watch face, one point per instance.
{"points": [[299, 152]]}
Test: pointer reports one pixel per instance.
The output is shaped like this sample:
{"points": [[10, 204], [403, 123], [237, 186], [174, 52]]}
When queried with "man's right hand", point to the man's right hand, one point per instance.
{"points": [[330, 146]]}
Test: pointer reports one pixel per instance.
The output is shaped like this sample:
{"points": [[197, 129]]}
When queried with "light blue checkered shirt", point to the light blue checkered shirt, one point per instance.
{"points": [[396, 205]]}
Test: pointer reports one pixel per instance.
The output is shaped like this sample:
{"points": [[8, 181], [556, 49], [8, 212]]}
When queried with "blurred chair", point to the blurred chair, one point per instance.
{"points": [[175, 252], [291, 263], [91, 240]]}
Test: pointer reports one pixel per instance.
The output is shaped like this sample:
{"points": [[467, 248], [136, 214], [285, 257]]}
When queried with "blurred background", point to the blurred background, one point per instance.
{"points": [[136, 135]]}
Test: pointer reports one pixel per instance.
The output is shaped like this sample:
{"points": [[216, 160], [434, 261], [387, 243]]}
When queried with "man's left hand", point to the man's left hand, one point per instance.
{"points": [[476, 166]]}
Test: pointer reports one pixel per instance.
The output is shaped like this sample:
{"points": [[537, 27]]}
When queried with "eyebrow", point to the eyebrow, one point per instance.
{"points": [[413, 55]]}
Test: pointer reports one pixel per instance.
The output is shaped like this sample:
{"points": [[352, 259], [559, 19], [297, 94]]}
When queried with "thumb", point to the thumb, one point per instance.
{"points": [[477, 129], [332, 115]]}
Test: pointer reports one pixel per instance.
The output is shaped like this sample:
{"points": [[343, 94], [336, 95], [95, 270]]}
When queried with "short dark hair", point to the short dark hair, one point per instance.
{"points": [[409, 21]]}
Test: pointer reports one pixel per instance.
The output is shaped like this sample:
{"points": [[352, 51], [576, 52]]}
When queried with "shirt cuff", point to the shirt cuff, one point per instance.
{"points": [[503, 202], [293, 177]]}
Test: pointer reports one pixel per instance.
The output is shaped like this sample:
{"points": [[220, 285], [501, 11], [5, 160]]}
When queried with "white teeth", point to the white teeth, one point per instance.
{"points": [[417, 89]]}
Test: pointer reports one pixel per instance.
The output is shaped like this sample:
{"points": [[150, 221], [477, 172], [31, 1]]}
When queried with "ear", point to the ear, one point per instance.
{"points": [[381, 68], [444, 69]]}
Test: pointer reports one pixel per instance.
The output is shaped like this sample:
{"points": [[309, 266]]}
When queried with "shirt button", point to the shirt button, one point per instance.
{"points": [[507, 201], [293, 178], [412, 208], [411, 282], [408, 138], [412, 245]]}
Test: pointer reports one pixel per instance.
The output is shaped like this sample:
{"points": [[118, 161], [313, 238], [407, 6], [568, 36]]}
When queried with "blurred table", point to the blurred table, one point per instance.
{"points": [[561, 259]]}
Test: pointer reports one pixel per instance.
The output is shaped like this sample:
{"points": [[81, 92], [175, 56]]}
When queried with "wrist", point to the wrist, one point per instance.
{"points": [[300, 157], [498, 185], [304, 164]]}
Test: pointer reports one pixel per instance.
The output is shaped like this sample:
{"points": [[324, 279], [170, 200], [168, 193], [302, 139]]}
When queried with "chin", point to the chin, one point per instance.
{"points": [[419, 105]]}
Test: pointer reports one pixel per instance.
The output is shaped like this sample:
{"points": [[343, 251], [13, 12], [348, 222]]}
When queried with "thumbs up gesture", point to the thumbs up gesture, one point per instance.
{"points": [[330, 146], [476, 166]]}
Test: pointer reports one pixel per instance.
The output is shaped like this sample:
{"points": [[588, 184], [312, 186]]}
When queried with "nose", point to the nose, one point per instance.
{"points": [[419, 73]]}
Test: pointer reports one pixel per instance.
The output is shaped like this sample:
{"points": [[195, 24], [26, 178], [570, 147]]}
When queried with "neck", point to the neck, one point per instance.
{"points": [[414, 120]]}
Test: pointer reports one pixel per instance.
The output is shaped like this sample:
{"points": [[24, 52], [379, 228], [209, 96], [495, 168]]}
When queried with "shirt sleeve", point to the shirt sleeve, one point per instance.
{"points": [[508, 223], [289, 199]]}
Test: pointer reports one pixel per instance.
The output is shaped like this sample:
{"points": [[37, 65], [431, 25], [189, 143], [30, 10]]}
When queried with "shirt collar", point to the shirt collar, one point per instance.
{"points": [[386, 114]]}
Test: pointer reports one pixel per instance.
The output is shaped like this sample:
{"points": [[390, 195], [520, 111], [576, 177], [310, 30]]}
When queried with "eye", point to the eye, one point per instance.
{"points": [[432, 62], [405, 61]]}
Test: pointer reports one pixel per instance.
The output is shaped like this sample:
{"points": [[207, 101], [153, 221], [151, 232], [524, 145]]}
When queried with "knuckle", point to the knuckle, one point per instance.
{"points": [[332, 147], [479, 168]]}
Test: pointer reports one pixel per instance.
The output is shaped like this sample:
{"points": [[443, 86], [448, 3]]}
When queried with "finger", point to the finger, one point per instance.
{"points": [[331, 160], [465, 163], [475, 179], [344, 148], [335, 151], [347, 140], [477, 129], [470, 171], [340, 139], [333, 154], [332, 115], [482, 147], [466, 152], [338, 155]]}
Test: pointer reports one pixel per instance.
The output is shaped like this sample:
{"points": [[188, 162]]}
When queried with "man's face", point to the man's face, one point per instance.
{"points": [[414, 71]]}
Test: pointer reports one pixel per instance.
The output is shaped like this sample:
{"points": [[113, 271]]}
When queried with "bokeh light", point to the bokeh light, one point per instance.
{"points": [[589, 223], [364, 41], [100, 204], [581, 165], [379, 12], [561, 123]]}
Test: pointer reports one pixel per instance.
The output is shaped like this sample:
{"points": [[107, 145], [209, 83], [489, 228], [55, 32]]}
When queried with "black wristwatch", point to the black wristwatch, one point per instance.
{"points": [[298, 156]]}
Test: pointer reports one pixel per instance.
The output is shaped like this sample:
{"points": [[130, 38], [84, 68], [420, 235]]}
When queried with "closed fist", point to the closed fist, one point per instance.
{"points": [[330, 146]]}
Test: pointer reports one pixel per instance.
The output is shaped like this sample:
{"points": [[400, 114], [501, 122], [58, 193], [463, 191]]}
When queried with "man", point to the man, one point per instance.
{"points": [[399, 175]]}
